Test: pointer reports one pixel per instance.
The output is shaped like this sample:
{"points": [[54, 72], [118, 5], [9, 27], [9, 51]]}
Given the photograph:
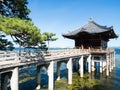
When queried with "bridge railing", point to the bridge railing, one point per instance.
{"points": [[5, 56], [8, 57], [15, 57], [28, 56], [65, 53]]}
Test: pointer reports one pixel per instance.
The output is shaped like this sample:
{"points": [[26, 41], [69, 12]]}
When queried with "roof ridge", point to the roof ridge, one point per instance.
{"points": [[101, 26], [91, 27]]}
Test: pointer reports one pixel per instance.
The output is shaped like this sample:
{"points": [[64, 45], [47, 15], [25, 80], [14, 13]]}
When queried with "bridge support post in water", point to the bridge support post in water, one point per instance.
{"points": [[107, 65], [101, 66], [4, 81], [51, 76], [38, 78], [14, 79], [110, 62], [69, 67], [104, 65], [93, 65], [89, 63], [81, 66], [58, 70], [113, 59]]}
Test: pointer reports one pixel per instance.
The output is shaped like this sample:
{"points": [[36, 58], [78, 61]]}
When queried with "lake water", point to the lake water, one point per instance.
{"points": [[110, 83]]}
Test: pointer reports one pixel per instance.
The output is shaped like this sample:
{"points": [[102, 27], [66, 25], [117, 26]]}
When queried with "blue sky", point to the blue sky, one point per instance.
{"points": [[61, 16]]}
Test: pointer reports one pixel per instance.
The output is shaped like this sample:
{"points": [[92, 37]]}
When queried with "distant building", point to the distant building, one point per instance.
{"points": [[91, 36]]}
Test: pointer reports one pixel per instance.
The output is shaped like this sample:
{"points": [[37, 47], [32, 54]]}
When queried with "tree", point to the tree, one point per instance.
{"points": [[23, 32], [14, 8], [84, 83], [43, 46], [49, 37], [5, 44]]}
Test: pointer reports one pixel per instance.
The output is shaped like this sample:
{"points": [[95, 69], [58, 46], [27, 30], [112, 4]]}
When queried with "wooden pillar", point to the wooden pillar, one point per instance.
{"points": [[38, 78], [81, 66], [104, 65], [14, 79], [89, 63], [110, 68], [113, 59], [107, 65], [101, 66], [93, 65], [51, 76], [69, 67]]}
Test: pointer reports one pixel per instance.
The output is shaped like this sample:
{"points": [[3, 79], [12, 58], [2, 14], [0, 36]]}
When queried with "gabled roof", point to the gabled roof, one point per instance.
{"points": [[91, 28]]}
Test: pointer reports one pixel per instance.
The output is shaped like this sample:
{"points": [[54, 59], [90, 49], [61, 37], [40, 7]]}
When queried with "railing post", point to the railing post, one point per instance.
{"points": [[5, 56], [16, 57]]}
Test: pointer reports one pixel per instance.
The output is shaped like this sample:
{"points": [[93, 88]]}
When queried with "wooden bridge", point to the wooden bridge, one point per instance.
{"points": [[10, 62]]}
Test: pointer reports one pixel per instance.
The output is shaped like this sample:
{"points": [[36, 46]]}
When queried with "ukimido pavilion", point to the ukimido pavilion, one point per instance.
{"points": [[94, 38], [91, 36]]}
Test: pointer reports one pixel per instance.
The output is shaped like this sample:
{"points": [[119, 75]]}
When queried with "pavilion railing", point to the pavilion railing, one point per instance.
{"points": [[28, 56]]}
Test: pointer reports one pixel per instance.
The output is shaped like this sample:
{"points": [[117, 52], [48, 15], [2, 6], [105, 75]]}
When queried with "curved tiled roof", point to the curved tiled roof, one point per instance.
{"points": [[91, 28]]}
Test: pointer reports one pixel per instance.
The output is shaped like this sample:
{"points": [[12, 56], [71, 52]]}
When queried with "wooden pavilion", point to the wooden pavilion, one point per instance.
{"points": [[91, 36]]}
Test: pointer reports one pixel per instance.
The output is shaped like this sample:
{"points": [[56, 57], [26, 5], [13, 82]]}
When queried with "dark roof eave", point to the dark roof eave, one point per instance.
{"points": [[92, 28], [70, 36]]}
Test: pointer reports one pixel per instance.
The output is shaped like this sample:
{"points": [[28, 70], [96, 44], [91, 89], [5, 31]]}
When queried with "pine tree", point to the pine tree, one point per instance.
{"points": [[11, 8], [23, 32], [49, 37], [5, 44], [14, 8]]}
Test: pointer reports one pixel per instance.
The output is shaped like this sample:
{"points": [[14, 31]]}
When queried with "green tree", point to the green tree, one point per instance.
{"points": [[14, 8], [84, 83], [49, 37], [5, 44], [23, 32]]}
